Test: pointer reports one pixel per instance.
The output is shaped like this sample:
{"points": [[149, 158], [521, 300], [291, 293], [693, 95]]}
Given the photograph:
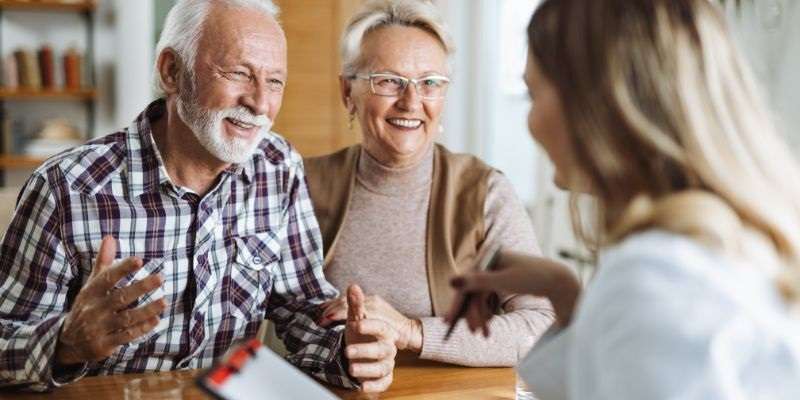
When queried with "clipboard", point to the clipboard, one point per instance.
{"points": [[252, 371]]}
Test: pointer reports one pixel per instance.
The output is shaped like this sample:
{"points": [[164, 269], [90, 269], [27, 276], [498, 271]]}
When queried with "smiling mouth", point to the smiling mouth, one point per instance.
{"points": [[240, 124], [404, 123]]}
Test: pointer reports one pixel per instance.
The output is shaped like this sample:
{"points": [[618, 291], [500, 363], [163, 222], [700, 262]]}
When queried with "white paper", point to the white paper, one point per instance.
{"points": [[268, 376]]}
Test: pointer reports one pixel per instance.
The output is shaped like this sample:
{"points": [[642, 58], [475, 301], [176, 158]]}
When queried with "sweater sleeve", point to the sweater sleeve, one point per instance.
{"points": [[525, 318]]}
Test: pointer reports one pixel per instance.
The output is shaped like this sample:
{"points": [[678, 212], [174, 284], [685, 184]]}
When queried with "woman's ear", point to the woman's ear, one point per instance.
{"points": [[346, 88], [169, 71]]}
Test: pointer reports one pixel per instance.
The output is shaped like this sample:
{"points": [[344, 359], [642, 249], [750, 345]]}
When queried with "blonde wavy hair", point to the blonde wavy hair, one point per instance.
{"points": [[668, 127]]}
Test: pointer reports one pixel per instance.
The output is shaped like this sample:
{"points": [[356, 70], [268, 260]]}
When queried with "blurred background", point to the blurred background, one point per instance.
{"points": [[76, 69]]}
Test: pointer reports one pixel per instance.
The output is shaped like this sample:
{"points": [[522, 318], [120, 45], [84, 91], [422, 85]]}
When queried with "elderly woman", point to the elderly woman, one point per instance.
{"points": [[401, 215]]}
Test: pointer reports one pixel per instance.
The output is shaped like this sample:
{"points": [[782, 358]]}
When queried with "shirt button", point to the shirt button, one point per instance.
{"points": [[257, 260]]}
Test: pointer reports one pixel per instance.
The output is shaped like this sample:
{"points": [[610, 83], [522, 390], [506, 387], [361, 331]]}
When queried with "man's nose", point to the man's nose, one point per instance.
{"points": [[257, 100]]}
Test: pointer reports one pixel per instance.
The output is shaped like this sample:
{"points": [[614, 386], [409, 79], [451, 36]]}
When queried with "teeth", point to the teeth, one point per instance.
{"points": [[405, 123], [241, 124]]}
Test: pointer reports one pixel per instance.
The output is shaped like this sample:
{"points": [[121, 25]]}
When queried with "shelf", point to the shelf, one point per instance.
{"points": [[26, 94], [11, 161], [47, 5]]}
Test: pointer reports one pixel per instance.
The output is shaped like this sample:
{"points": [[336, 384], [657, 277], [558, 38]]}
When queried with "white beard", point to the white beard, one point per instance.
{"points": [[207, 127]]}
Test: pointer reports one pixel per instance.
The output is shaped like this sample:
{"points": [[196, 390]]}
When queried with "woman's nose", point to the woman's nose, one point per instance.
{"points": [[409, 99]]}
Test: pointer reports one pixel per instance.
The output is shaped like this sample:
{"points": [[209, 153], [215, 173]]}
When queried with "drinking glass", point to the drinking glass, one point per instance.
{"points": [[154, 388]]}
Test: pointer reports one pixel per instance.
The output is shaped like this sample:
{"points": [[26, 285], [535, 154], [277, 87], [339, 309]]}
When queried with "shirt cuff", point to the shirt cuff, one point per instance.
{"points": [[348, 381], [39, 358], [434, 347], [333, 369], [65, 375]]}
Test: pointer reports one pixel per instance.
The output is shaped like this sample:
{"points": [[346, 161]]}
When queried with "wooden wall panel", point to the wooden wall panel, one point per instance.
{"points": [[312, 116]]}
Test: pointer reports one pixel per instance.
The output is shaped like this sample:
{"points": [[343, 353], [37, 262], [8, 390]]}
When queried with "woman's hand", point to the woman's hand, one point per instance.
{"points": [[516, 273], [409, 331]]}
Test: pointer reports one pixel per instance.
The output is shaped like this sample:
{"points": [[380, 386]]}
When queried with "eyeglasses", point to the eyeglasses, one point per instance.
{"points": [[430, 87]]}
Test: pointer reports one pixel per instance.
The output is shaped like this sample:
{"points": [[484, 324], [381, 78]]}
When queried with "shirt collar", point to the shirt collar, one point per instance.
{"points": [[146, 170]]}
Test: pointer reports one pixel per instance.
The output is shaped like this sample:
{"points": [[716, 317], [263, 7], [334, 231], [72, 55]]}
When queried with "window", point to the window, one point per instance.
{"points": [[488, 106]]}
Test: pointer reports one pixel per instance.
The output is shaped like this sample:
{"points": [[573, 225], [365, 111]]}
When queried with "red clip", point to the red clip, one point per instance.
{"points": [[235, 363]]}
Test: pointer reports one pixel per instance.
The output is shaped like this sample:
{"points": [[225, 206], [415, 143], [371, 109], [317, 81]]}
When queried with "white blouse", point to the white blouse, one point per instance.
{"points": [[667, 318]]}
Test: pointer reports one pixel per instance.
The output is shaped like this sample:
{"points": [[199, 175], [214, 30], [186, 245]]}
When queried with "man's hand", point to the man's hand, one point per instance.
{"points": [[409, 331], [99, 321], [370, 346]]}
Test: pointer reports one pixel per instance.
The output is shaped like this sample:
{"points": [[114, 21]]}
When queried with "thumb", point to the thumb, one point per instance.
{"points": [[105, 256], [355, 303]]}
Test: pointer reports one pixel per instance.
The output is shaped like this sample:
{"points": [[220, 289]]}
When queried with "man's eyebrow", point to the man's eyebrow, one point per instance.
{"points": [[279, 71]]}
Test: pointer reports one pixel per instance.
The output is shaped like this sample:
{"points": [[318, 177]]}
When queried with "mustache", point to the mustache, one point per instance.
{"points": [[242, 114]]}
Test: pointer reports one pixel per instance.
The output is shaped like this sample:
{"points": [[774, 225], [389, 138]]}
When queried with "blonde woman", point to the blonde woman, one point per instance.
{"points": [[648, 106]]}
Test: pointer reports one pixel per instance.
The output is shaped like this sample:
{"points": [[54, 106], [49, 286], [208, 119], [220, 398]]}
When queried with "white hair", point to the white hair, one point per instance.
{"points": [[379, 13], [184, 27]]}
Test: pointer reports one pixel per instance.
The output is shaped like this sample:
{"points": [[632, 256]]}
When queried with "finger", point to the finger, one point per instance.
{"points": [[377, 385], [334, 306], [370, 351], [105, 255], [454, 308], [109, 277], [485, 314], [473, 317], [478, 315], [339, 314], [474, 282], [125, 319], [133, 332], [120, 298], [374, 370], [355, 303]]}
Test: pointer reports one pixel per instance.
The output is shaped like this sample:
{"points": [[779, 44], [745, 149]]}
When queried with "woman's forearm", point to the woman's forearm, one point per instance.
{"points": [[538, 276], [563, 294], [510, 335]]}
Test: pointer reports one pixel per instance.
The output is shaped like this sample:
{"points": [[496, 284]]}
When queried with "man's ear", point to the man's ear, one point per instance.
{"points": [[346, 87], [169, 67]]}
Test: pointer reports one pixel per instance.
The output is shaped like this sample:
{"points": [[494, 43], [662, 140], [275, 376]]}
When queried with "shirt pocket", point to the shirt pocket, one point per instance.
{"points": [[256, 259], [149, 267]]}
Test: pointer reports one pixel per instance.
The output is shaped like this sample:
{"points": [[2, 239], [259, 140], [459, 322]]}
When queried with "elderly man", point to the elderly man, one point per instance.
{"points": [[156, 247]]}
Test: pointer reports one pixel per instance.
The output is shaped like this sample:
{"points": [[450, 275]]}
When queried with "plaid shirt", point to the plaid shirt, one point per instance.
{"points": [[247, 250]]}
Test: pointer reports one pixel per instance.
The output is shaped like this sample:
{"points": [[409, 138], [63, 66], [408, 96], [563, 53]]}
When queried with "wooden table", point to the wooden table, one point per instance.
{"points": [[413, 379]]}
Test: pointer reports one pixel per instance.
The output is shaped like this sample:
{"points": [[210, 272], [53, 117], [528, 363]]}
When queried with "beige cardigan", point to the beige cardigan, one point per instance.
{"points": [[455, 216]]}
